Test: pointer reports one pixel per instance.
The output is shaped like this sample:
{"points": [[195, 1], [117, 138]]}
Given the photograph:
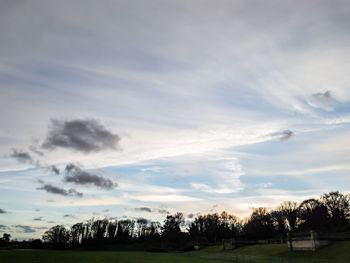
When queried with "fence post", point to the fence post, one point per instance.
{"points": [[313, 239], [289, 242]]}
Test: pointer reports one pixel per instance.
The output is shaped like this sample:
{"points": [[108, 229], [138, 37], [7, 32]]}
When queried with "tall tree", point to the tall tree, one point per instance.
{"points": [[338, 206], [259, 225], [290, 211], [313, 215], [58, 236], [172, 237]]}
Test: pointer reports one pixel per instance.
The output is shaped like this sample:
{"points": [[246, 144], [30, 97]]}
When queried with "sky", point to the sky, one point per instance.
{"points": [[128, 109]]}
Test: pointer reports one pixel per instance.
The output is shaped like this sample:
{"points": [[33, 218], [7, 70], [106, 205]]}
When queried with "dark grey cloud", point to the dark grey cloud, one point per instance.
{"points": [[54, 169], [51, 222], [40, 227], [35, 150], [323, 100], [283, 135], [57, 190], [80, 135], [2, 211], [190, 215], [162, 211], [144, 209], [150, 210], [21, 156], [69, 216], [25, 229], [40, 218], [105, 211], [80, 177], [324, 96]]}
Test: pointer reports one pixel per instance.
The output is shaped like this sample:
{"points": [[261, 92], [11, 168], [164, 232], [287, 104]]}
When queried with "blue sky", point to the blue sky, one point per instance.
{"points": [[204, 106]]}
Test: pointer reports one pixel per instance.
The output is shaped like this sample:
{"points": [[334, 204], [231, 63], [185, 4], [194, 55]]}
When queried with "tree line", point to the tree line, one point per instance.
{"points": [[331, 213]]}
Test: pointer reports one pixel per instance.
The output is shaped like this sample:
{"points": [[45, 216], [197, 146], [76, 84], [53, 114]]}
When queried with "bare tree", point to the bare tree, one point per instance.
{"points": [[290, 211]]}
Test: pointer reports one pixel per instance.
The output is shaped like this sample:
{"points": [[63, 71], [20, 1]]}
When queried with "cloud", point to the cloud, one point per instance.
{"points": [[80, 135], [220, 189], [162, 211], [78, 176], [2, 211], [190, 215], [69, 216], [3, 227], [96, 201], [325, 96], [144, 209], [163, 198], [21, 156], [57, 190], [150, 210], [283, 135], [54, 169], [35, 150], [40, 218], [323, 100], [25, 229]]}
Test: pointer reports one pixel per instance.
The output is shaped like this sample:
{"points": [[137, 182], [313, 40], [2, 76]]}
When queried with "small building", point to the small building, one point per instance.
{"points": [[305, 241]]}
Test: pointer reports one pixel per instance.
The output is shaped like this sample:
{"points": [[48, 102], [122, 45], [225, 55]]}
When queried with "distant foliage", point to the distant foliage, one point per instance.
{"points": [[330, 213]]}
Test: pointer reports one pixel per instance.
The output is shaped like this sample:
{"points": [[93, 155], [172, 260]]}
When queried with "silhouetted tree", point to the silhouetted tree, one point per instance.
{"points": [[141, 224], [112, 231], [125, 230], [338, 206], [172, 236], [4, 240], [279, 222], [77, 233], [213, 228], [153, 231], [58, 236], [6, 237], [313, 215], [259, 225], [290, 211], [98, 230]]}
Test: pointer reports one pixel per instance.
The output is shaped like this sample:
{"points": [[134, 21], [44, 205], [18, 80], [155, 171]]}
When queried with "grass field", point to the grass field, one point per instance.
{"points": [[336, 253]]}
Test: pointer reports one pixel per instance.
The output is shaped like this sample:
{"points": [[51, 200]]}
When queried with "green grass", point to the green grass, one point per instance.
{"points": [[334, 253], [276, 253], [53, 256]]}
